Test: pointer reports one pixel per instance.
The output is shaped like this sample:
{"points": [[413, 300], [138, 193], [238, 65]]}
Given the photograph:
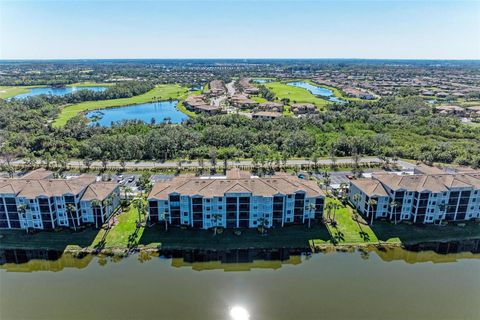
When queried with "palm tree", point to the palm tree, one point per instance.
{"points": [[326, 181], [329, 207], [393, 206], [139, 205], [164, 216], [263, 222], [23, 210], [356, 198], [372, 203], [442, 207], [126, 190], [95, 205], [311, 209], [335, 206], [70, 210], [216, 217]]}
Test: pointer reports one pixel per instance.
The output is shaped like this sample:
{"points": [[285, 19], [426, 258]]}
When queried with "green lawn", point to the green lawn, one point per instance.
{"points": [[119, 235], [160, 92], [347, 230], [8, 92], [298, 236], [295, 94]]}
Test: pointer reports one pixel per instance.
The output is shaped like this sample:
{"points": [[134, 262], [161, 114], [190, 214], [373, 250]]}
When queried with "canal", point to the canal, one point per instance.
{"points": [[390, 283]]}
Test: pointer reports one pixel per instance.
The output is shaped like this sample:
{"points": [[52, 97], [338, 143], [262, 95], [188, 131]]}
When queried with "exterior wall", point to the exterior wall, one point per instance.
{"points": [[47, 213], [422, 207], [234, 210]]}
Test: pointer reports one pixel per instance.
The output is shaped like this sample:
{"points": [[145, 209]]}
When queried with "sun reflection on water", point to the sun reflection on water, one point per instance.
{"points": [[239, 313]]}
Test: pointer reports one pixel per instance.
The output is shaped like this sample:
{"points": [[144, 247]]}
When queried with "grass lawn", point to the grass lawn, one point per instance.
{"points": [[298, 236], [347, 230], [8, 92], [119, 235], [160, 92], [181, 107], [295, 94]]}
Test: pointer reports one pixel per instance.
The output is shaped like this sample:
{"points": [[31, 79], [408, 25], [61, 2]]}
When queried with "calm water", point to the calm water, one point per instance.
{"points": [[260, 80], [56, 91], [315, 90], [160, 111], [273, 284]]}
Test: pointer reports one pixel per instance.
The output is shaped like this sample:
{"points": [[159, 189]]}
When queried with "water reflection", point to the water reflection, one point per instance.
{"points": [[20, 260]]}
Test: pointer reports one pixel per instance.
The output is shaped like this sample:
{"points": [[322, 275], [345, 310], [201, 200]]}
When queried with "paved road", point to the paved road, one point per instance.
{"points": [[230, 88], [174, 164]]}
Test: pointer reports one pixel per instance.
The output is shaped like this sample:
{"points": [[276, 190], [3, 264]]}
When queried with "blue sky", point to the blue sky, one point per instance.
{"points": [[240, 29]]}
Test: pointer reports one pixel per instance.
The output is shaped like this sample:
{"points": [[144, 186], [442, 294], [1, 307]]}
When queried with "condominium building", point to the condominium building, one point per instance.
{"points": [[237, 200], [419, 198], [37, 201]]}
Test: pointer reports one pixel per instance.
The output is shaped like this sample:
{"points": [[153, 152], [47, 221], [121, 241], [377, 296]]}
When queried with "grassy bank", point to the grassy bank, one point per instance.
{"points": [[161, 92]]}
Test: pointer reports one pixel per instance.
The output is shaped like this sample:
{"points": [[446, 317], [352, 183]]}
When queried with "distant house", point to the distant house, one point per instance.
{"points": [[216, 88], [266, 115], [352, 92], [247, 87], [243, 101], [271, 106], [451, 110], [303, 108], [198, 104]]}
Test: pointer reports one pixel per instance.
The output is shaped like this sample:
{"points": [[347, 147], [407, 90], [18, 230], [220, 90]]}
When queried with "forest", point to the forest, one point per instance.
{"points": [[403, 127]]}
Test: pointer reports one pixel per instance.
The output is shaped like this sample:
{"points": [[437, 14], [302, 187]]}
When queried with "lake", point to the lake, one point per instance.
{"points": [[316, 90], [160, 111], [391, 283], [57, 91]]}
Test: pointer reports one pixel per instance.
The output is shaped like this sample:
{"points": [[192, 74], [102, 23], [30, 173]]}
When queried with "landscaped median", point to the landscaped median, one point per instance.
{"points": [[159, 93]]}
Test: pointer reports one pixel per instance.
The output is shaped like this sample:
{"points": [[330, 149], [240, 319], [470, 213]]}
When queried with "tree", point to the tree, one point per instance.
{"points": [[311, 210], [165, 216], [22, 209], [144, 182], [372, 203], [356, 198], [71, 209], [104, 162], [126, 190], [88, 163], [329, 207], [262, 222], [140, 206], [314, 159], [96, 205], [216, 217], [123, 164], [393, 206]]}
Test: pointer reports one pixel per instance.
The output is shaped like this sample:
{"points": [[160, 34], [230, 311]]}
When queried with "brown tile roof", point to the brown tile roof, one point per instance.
{"points": [[217, 187], [99, 191], [38, 174], [429, 182], [31, 188], [370, 187]]}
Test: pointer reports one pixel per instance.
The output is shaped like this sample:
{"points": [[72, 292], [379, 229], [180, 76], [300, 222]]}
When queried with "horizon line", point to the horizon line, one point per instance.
{"points": [[240, 58]]}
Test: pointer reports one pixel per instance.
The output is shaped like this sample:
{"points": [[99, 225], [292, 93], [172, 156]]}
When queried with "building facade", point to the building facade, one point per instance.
{"points": [[236, 200], [43, 203], [418, 198]]}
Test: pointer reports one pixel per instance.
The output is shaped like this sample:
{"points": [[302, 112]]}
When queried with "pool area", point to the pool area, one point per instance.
{"points": [[162, 111], [260, 80], [57, 91], [316, 90]]}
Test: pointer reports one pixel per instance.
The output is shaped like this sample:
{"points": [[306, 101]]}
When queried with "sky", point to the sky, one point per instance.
{"points": [[388, 29]]}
